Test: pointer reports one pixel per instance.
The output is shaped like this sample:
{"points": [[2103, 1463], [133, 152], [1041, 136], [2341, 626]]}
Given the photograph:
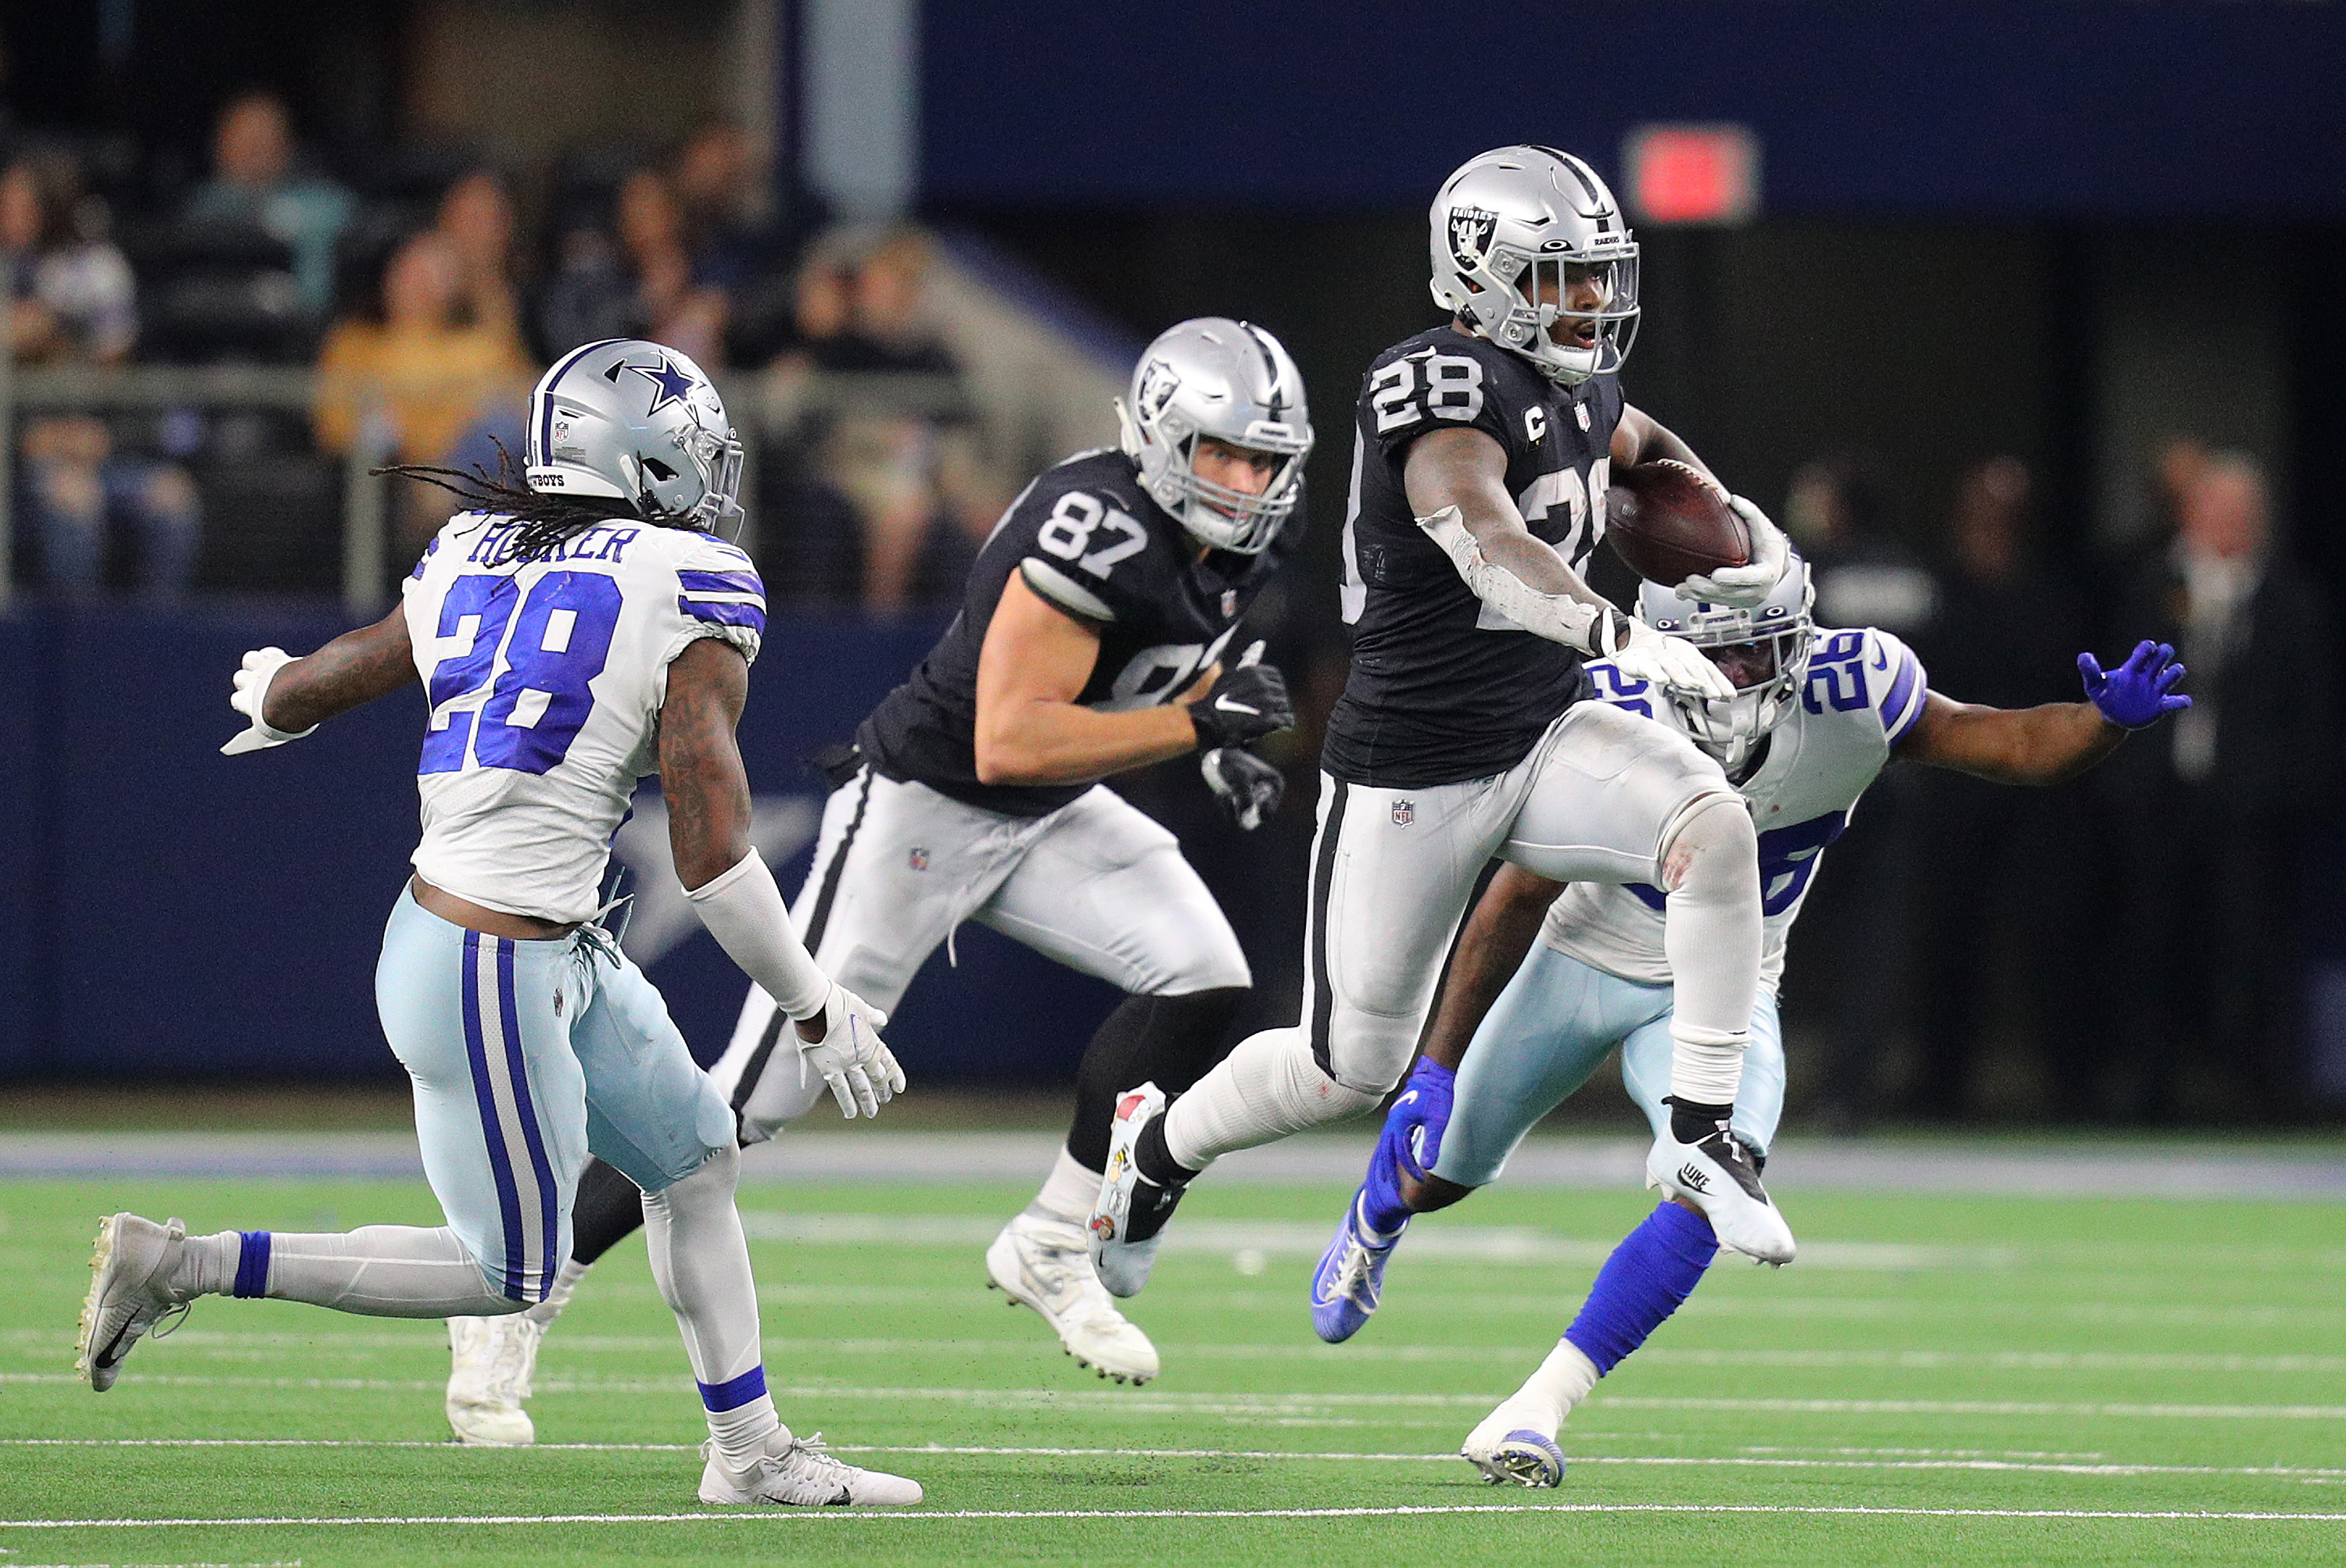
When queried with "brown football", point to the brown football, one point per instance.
{"points": [[1668, 523]]}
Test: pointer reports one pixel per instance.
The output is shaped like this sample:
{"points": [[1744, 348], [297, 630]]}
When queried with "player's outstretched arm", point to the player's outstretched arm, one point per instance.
{"points": [[1030, 728], [1457, 485], [708, 794], [286, 697], [2055, 742]]}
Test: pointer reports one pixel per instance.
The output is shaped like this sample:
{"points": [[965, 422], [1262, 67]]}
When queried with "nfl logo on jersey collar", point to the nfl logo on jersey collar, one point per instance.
{"points": [[1404, 813], [1229, 603]]}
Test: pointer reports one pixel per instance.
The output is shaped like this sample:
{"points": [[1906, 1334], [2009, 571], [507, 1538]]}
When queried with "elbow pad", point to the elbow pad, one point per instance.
{"points": [[743, 910], [1597, 630]]}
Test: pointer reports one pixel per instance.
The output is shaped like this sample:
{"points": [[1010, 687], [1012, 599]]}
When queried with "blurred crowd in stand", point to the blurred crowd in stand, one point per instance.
{"points": [[429, 288], [2141, 938], [2132, 947]]}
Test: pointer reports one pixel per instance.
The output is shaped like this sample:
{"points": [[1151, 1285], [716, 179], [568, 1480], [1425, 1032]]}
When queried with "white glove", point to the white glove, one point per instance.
{"points": [[852, 1057], [1745, 587], [1649, 655], [260, 667]]}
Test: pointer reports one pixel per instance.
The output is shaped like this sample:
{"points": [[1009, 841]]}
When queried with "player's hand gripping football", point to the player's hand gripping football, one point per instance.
{"points": [[1745, 587], [2139, 692], [1248, 702], [260, 667], [852, 1057]]}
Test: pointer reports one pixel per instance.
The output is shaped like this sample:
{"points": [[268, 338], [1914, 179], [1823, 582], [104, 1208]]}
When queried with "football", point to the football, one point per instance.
{"points": [[1668, 522]]}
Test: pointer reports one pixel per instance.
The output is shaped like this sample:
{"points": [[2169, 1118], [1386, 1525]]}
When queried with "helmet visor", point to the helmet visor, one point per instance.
{"points": [[1585, 306], [1226, 509]]}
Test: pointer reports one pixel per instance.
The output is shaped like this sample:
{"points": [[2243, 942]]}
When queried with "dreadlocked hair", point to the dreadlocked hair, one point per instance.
{"points": [[540, 524]]}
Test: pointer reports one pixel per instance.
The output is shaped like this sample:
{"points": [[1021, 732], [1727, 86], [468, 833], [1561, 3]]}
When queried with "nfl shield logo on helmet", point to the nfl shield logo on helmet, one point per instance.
{"points": [[918, 859], [1471, 228], [1404, 813]]}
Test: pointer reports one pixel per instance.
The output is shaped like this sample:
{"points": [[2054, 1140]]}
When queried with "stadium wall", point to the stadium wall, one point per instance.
{"points": [[2099, 108]]}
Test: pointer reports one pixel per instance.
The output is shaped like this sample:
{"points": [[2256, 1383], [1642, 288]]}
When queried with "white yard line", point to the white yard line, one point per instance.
{"points": [[771, 1515], [43, 1342], [1745, 1462], [1110, 1402]]}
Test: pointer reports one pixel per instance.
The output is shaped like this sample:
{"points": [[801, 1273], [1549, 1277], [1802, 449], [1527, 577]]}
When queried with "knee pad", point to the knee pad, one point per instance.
{"points": [[1710, 849]]}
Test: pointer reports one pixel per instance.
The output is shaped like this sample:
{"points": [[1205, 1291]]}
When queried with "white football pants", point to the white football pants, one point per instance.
{"points": [[1097, 884], [1601, 798]]}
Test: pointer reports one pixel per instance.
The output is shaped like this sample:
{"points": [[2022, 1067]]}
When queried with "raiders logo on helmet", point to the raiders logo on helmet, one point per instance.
{"points": [[1157, 384], [1471, 228]]}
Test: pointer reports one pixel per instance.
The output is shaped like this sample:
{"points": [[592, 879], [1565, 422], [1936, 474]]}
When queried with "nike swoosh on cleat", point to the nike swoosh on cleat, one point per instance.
{"points": [[1690, 1177]]}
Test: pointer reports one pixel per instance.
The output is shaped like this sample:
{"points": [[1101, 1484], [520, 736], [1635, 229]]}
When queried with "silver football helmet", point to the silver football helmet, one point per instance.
{"points": [[1523, 236], [639, 423], [1230, 380], [1763, 650]]}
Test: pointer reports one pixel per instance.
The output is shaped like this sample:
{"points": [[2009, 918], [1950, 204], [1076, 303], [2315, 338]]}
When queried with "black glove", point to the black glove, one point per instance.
{"points": [[1250, 701], [1243, 782]]}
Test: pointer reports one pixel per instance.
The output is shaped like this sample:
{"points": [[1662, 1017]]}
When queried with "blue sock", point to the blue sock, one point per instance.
{"points": [[1649, 1275]]}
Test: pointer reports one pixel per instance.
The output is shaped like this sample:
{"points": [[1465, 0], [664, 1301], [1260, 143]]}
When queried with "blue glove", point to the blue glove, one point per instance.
{"points": [[2139, 692], [1419, 1116]]}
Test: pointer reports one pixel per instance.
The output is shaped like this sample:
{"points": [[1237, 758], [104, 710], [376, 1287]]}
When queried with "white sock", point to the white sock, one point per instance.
{"points": [[701, 1260], [1711, 933], [1562, 1381], [1265, 1090], [376, 1271], [564, 1283], [1068, 1193]]}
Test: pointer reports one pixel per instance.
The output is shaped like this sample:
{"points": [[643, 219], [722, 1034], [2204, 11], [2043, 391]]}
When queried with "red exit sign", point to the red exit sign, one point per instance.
{"points": [[1693, 173]]}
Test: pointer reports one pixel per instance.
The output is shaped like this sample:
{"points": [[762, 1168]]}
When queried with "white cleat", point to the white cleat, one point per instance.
{"points": [[1047, 1264], [491, 1361], [1515, 1445], [1130, 1212], [1718, 1176], [799, 1472], [131, 1270]]}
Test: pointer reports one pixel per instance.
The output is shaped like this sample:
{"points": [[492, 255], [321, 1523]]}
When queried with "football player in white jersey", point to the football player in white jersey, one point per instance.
{"points": [[1816, 715], [572, 637]]}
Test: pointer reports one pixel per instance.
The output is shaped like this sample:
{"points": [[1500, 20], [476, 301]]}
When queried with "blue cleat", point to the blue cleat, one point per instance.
{"points": [[1351, 1275]]}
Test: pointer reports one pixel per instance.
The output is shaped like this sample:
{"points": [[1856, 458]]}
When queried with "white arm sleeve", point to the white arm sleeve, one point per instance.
{"points": [[1558, 617], [743, 910]]}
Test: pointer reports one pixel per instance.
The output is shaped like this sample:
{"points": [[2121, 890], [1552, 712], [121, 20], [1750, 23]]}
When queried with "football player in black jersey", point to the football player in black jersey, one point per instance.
{"points": [[1091, 640], [1482, 449]]}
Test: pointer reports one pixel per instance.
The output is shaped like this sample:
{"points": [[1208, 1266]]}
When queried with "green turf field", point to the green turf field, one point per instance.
{"points": [[1937, 1380]]}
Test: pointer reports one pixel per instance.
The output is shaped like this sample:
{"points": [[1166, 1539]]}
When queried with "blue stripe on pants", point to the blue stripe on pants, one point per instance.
{"points": [[549, 1210], [492, 1134]]}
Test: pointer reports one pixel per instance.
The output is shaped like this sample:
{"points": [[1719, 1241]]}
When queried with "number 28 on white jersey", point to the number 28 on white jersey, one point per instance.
{"points": [[545, 679]]}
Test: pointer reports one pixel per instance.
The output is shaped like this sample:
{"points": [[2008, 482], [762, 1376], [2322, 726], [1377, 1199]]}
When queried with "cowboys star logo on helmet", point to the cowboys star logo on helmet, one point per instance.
{"points": [[669, 385]]}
